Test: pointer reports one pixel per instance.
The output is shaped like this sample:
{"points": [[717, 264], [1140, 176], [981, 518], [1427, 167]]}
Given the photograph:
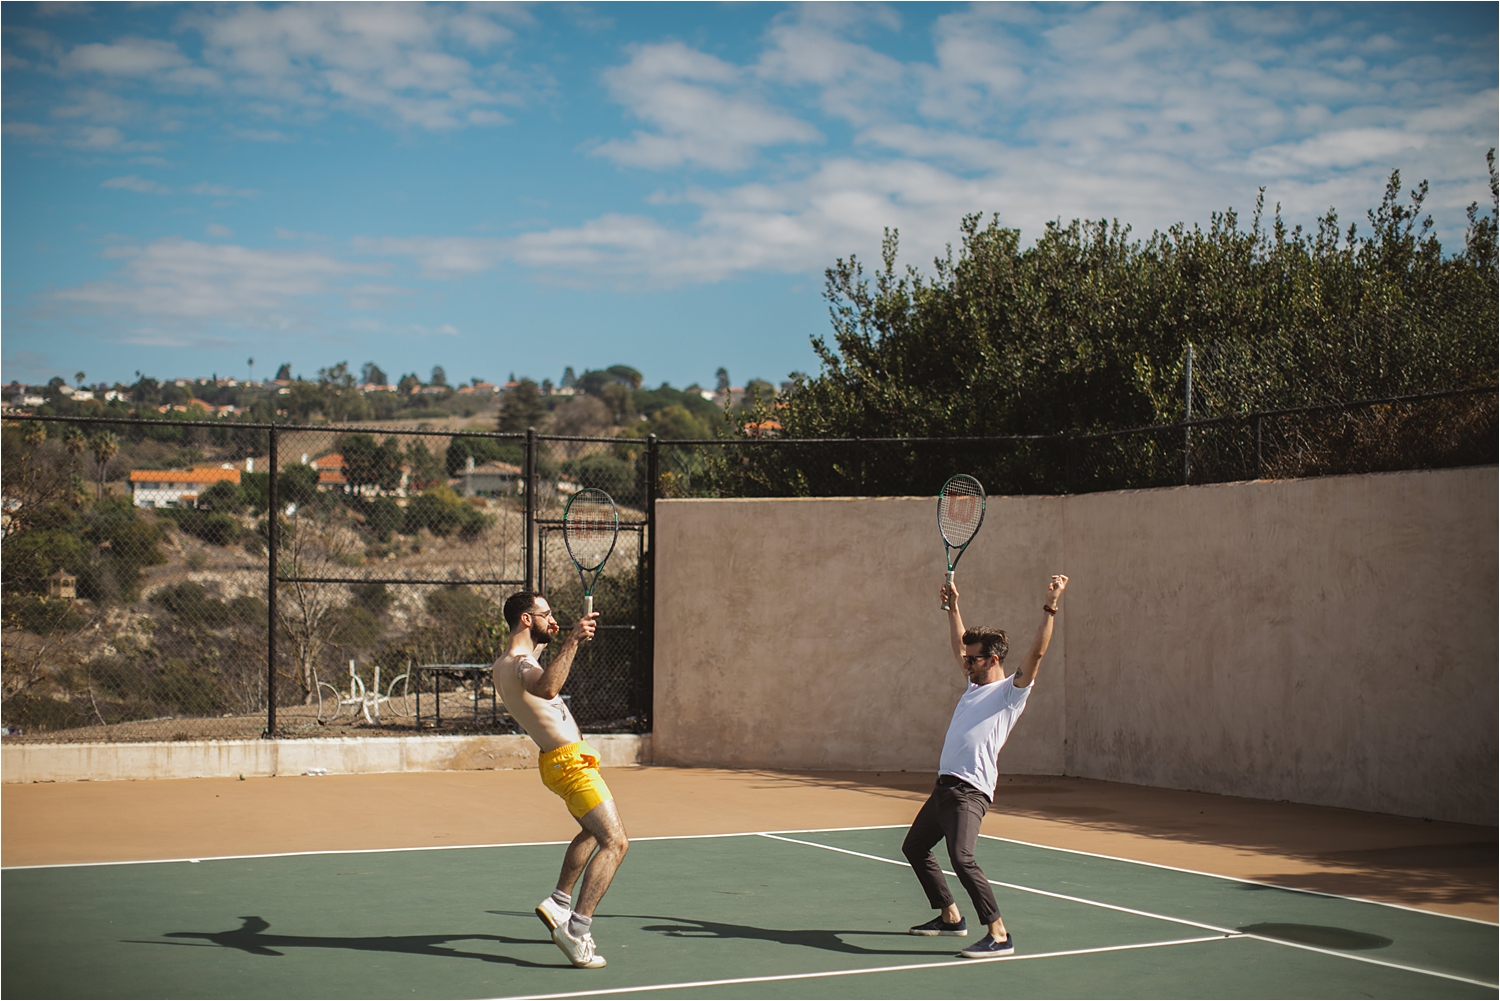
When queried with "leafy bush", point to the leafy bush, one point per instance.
{"points": [[374, 597], [224, 496], [191, 601], [353, 626], [43, 616], [442, 512], [459, 609], [297, 484], [256, 488], [606, 472], [460, 450], [248, 609], [384, 516], [213, 527]]}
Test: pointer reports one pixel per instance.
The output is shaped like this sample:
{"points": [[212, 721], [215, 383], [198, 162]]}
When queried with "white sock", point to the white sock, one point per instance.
{"points": [[563, 899], [578, 925]]}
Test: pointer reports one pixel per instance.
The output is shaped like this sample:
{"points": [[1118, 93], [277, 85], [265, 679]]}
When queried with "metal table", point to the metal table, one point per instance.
{"points": [[476, 672]]}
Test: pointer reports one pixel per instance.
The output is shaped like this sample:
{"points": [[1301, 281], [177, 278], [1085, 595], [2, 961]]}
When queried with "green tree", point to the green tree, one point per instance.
{"points": [[373, 375], [104, 446], [1086, 330], [297, 484], [224, 495], [522, 408], [368, 463]]}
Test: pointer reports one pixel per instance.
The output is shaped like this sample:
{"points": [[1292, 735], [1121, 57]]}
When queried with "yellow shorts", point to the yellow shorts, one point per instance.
{"points": [[572, 771]]}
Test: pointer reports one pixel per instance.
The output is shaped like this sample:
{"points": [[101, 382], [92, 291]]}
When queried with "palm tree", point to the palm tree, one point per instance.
{"points": [[75, 443], [104, 445], [79, 377]]}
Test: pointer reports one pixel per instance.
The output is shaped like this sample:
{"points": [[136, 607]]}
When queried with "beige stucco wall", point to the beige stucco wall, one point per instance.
{"points": [[1327, 641]]}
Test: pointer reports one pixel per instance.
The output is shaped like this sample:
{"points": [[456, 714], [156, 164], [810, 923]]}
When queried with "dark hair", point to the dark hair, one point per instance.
{"points": [[992, 642], [518, 605]]}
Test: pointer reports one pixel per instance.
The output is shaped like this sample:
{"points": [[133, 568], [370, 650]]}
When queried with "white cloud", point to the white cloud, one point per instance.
{"points": [[221, 191], [216, 230], [132, 182], [703, 109], [1152, 117], [437, 257], [174, 284], [258, 135], [127, 57], [387, 61]]}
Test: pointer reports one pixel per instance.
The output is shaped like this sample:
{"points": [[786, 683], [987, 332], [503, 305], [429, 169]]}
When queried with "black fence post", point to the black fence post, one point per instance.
{"points": [[647, 668], [1071, 476], [1257, 447], [530, 509], [273, 541]]}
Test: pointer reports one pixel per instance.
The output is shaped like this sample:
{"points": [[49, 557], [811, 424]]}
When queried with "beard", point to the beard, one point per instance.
{"points": [[540, 634]]}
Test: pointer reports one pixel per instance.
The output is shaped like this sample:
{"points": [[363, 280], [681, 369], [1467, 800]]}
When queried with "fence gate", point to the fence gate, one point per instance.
{"points": [[609, 686]]}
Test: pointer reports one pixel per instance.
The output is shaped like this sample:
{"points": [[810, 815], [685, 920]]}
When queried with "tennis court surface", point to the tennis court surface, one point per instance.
{"points": [[807, 914]]}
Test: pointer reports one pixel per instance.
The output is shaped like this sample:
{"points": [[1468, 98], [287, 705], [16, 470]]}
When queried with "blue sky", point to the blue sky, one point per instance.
{"points": [[501, 189]]}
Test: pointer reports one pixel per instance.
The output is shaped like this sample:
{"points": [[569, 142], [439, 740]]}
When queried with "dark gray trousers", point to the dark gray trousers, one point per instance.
{"points": [[953, 814]]}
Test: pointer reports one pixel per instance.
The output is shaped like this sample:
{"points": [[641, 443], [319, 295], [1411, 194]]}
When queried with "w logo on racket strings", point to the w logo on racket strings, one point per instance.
{"points": [[962, 508]]}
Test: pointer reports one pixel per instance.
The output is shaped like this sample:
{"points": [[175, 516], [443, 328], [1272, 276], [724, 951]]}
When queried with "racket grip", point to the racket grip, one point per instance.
{"points": [[949, 582], [588, 609]]}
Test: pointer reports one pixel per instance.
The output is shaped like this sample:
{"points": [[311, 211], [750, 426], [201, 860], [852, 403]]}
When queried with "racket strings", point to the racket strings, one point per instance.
{"points": [[960, 510], [590, 527]]}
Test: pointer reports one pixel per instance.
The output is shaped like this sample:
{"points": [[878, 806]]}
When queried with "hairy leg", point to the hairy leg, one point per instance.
{"points": [[603, 826], [574, 859]]}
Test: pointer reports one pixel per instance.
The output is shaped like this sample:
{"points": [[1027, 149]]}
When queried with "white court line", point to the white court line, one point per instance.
{"points": [[1162, 917], [1014, 886], [1240, 879], [946, 964], [434, 848]]}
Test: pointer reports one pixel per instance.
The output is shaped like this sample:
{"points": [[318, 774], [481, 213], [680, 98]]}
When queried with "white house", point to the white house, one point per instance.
{"points": [[175, 487]]}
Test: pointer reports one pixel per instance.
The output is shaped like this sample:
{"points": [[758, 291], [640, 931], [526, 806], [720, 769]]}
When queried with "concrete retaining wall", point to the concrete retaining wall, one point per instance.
{"points": [[1328, 641], [336, 756]]}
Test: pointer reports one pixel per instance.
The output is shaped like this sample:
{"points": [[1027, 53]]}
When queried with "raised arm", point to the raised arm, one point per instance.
{"points": [[949, 595], [546, 683], [1027, 673]]}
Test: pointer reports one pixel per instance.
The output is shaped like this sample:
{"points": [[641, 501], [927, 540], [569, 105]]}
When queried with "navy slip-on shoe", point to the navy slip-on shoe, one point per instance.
{"points": [[937, 926], [988, 948]]}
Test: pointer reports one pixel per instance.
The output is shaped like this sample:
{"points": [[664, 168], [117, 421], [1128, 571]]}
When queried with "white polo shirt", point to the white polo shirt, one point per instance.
{"points": [[982, 720]]}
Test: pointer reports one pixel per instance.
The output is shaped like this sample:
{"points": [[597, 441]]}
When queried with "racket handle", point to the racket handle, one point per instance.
{"points": [[949, 581], [588, 607]]}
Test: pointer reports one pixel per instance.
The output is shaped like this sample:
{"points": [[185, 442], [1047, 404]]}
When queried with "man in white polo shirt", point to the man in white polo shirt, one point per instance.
{"points": [[968, 771]]}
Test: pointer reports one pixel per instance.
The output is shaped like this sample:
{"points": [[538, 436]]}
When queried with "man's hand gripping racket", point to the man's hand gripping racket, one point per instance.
{"points": [[960, 513], [590, 526]]}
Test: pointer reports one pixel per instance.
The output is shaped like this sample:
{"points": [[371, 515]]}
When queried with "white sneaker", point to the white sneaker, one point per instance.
{"points": [[580, 951], [553, 914]]}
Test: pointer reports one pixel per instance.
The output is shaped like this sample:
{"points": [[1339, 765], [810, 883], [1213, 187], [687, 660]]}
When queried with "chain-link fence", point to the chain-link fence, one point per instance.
{"points": [[1423, 432], [140, 600]]}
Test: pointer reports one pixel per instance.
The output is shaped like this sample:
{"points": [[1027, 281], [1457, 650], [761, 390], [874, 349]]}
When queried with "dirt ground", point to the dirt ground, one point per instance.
{"points": [[1449, 868]]}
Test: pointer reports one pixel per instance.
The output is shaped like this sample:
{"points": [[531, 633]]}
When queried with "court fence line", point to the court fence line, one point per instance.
{"points": [[147, 594]]}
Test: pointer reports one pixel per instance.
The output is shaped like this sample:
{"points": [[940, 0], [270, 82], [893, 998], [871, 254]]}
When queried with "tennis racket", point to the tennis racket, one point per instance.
{"points": [[590, 526], [960, 513]]}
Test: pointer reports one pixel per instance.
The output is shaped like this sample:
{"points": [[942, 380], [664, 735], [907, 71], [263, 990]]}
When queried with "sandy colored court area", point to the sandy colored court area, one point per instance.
{"points": [[1450, 868]]}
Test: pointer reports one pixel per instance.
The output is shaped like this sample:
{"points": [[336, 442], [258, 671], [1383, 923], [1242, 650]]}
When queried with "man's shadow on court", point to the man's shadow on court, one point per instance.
{"points": [[250, 937], [827, 939]]}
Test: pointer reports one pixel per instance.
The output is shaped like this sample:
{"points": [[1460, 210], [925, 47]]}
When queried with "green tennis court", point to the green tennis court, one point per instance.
{"points": [[811, 914]]}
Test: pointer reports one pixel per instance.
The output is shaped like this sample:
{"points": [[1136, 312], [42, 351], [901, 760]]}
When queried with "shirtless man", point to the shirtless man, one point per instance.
{"points": [[569, 768], [967, 771]]}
